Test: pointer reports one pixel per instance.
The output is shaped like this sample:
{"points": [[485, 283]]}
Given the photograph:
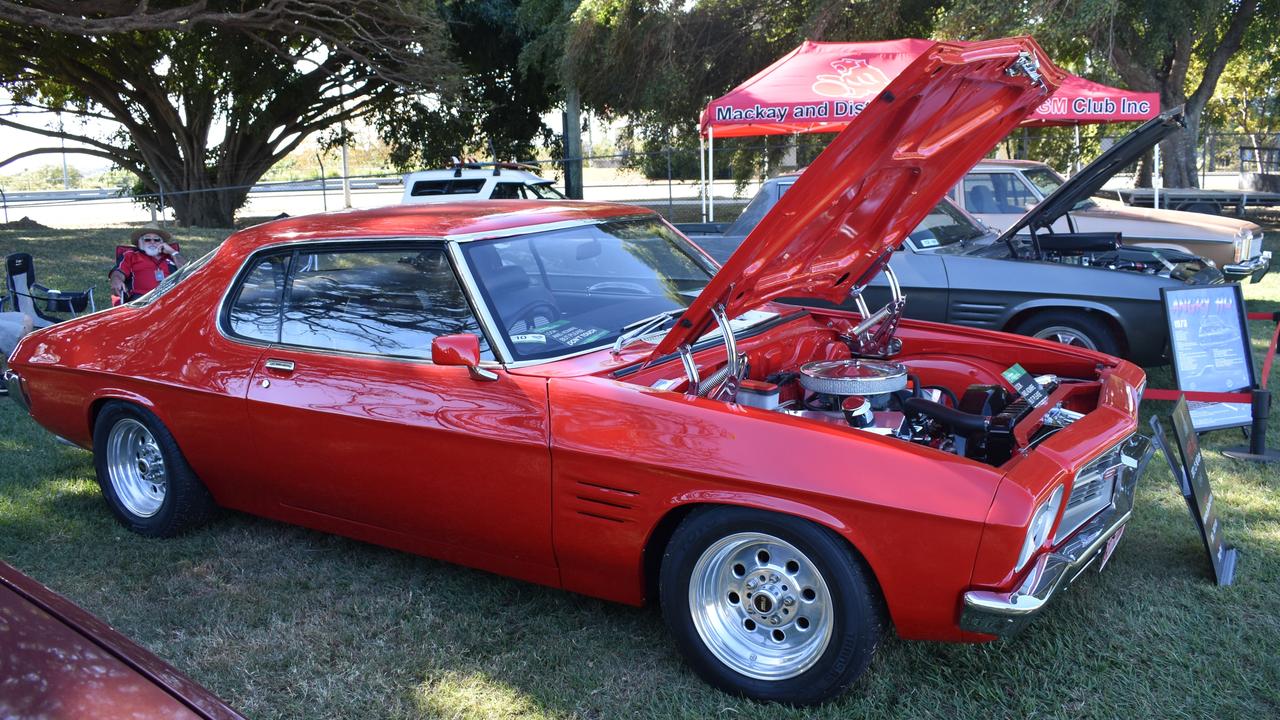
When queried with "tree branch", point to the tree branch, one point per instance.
{"points": [[79, 151]]}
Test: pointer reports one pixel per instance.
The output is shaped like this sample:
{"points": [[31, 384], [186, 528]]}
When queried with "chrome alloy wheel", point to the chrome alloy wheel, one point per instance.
{"points": [[760, 606], [1067, 336], [136, 468]]}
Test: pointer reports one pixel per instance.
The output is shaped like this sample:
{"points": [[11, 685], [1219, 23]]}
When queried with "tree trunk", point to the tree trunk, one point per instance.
{"points": [[209, 208]]}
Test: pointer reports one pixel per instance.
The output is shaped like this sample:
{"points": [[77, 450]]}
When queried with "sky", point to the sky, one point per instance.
{"points": [[14, 141]]}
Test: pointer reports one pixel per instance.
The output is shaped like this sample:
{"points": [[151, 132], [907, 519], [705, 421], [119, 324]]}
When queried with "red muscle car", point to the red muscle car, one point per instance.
{"points": [[573, 394]]}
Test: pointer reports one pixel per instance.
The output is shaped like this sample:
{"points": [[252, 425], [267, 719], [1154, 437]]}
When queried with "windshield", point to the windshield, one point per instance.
{"points": [[565, 291], [1046, 181], [945, 225], [755, 210]]}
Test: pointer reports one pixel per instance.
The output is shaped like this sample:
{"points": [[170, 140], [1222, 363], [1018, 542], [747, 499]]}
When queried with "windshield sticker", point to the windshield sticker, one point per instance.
{"points": [[529, 338], [563, 332], [928, 242]]}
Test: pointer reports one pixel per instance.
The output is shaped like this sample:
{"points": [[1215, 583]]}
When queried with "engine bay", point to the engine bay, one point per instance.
{"points": [[860, 371]]}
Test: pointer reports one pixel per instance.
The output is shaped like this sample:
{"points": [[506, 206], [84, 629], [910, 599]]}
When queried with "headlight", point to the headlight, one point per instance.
{"points": [[1244, 241], [1038, 530]]}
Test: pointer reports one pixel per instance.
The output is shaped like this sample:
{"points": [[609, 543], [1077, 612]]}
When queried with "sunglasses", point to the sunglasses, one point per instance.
{"points": [[150, 238]]}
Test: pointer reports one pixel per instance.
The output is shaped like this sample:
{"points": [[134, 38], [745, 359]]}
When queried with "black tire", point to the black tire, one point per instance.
{"points": [[1086, 330], [182, 501], [846, 603]]}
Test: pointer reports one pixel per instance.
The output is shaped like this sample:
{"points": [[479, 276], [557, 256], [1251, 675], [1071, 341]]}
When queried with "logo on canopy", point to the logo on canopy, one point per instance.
{"points": [[854, 79]]}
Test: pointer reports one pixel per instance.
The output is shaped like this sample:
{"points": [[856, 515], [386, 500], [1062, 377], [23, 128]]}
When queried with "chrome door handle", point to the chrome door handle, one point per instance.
{"points": [[281, 365]]}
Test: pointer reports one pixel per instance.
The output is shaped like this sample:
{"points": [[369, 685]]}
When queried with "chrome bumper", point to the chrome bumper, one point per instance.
{"points": [[14, 388], [1005, 613], [1257, 267]]}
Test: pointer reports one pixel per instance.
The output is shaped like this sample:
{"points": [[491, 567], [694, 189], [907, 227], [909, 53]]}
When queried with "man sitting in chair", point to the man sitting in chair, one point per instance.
{"points": [[142, 268]]}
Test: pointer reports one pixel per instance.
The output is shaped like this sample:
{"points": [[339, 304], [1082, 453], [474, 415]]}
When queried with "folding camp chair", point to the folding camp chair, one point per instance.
{"points": [[25, 292], [129, 294]]}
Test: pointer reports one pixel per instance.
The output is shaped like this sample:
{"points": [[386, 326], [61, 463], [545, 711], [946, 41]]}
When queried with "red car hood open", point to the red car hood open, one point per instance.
{"points": [[878, 179]]}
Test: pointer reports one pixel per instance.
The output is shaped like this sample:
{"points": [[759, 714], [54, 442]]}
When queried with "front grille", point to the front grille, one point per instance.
{"points": [[1096, 487]]}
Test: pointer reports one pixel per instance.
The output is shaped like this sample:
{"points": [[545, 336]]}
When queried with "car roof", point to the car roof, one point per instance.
{"points": [[471, 173], [993, 163], [468, 220]]}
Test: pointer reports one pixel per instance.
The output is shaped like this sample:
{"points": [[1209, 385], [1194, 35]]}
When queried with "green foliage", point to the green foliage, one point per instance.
{"points": [[45, 177], [509, 50], [658, 62]]}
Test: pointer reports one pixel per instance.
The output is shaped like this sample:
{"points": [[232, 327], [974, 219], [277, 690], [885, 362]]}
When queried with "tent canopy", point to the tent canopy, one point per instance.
{"points": [[820, 87]]}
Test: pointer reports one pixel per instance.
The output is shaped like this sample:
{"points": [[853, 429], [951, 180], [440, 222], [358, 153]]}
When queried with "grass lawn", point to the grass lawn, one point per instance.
{"points": [[289, 623]]}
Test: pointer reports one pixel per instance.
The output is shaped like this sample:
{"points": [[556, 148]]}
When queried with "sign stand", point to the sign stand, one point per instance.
{"points": [[1256, 450], [1193, 480]]}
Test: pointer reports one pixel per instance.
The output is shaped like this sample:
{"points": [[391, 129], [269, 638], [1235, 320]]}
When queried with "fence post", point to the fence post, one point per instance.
{"points": [[671, 209], [324, 184], [5, 201]]}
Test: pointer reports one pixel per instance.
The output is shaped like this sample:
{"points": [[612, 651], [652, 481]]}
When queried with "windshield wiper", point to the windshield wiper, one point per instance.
{"points": [[640, 328]]}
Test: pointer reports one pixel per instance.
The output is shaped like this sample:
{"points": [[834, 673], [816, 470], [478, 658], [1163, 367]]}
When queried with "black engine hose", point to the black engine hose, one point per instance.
{"points": [[955, 401], [960, 421]]}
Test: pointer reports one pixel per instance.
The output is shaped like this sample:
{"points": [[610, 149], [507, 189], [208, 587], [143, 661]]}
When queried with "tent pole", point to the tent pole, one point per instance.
{"points": [[1156, 180], [702, 176], [711, 174], [1075, 157]]}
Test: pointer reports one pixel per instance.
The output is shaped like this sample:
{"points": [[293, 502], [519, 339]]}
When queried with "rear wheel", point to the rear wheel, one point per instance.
{"points": [[1077, 329], [144, 477], [768, 606]]}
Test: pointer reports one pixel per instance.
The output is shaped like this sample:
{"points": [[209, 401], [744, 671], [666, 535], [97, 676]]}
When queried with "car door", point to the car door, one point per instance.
{"points": [[357, 426], [923, 279]]}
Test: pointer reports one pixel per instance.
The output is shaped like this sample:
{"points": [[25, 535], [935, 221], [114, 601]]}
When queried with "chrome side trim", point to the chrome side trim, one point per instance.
{"points": [[1005, 613]]}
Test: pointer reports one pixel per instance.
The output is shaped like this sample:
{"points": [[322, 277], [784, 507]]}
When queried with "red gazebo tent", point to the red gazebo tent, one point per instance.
{"points": [[821, 87]]}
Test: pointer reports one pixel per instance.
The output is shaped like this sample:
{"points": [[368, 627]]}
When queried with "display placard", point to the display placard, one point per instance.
{"points": [[1026, 385], [1209, 336], [1193, 480]]}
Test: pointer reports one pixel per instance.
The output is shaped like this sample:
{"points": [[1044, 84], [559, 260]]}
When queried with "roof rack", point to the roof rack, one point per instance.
{"points": [[460, 164]]}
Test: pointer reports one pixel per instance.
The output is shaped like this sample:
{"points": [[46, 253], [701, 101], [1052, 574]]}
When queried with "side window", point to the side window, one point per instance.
{"points": [[423, 188], [384, 302], [508, 191], [255, 311], [980, 193], [1014, 193]]}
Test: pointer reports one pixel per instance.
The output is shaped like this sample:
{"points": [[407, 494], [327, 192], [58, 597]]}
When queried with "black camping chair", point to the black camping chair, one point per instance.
{"points": [[20, 280]]}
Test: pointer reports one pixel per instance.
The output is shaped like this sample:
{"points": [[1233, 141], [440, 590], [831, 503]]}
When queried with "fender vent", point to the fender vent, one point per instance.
{"points": [[603, 502]]}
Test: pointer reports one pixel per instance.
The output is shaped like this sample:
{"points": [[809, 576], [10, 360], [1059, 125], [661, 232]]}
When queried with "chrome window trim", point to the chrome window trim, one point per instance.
{"points": [[275, 246], [544, 227], [488, 325]]}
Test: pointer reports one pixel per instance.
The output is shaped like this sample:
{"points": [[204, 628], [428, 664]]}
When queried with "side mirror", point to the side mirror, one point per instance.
{"points": [[462, 349]]}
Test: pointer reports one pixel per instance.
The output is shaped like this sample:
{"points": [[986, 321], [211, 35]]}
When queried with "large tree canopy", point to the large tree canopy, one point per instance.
{"points": [[1177, 48], [209, 95]]}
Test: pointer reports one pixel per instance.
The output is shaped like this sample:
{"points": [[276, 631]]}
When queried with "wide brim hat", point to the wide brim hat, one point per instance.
{"points": [[150, 230]]}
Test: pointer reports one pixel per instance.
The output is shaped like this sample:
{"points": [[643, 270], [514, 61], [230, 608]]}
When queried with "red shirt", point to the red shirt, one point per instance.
{"points": [[142, 273]]}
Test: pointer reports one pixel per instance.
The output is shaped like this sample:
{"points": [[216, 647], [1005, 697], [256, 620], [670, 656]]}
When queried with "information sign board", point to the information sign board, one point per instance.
{"points": [[1209, 336]]}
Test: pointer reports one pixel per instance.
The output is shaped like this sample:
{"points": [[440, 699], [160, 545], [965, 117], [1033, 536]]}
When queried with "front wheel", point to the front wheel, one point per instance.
{"points": [[768, 606], [1077, 329], [144, 477]]}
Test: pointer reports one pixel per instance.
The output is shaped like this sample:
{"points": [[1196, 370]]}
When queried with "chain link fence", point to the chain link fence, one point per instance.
{"points": [[669, 180]]}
